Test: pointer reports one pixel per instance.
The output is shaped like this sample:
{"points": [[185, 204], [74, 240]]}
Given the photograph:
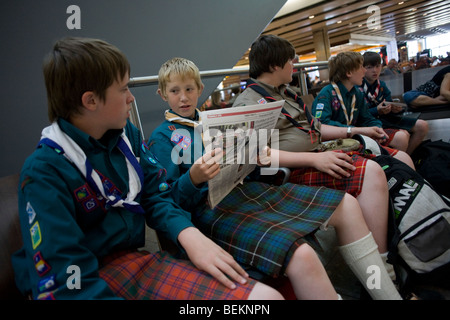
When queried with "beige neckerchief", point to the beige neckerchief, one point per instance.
{"points": [[341, 101]]}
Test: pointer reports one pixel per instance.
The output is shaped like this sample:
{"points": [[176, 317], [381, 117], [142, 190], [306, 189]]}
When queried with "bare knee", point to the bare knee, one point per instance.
{"points": [[401, 140], [264, 292], [421, 127], [348, 213], [305, 253], [375, 176], [304, 260], [404, 134], [406, 158]]}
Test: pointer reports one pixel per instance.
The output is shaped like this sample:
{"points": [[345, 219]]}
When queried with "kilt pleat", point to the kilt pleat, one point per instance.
{"points": [[261, 225], [352, 184], [139, 275], [312, 177]]}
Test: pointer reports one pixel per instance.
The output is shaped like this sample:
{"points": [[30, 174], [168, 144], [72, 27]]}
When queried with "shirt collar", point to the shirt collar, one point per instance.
{"points": [[370, 86], [196, 118], [344, 90], [271, 88], [87, 142]]}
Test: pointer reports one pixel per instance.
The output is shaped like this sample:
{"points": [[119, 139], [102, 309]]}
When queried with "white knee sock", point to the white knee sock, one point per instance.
{"points": [[364, 260], [389, 267]]}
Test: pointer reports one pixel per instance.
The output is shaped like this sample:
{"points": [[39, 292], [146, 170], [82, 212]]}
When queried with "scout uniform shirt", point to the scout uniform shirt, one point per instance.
{"points": [[243, 222], [290, 138], [327, 107], [178, 146], [68, 226], [374, 94]]}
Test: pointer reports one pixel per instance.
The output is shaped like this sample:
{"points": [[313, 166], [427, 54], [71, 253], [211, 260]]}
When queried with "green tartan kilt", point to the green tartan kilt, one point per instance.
{"points": [[261, 225]]}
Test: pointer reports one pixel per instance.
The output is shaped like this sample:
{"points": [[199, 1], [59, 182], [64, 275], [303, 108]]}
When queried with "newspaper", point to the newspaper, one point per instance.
{"points": [[401, 104], [241, 133]]}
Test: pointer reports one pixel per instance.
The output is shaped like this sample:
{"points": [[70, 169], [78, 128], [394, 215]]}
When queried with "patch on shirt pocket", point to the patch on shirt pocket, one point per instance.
{"points": [[262, 101]]}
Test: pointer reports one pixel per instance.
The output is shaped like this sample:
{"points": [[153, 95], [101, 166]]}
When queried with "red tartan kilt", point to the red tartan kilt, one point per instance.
{"points": [[353, 184], [313, 177], [139, 275], [391, 133]]}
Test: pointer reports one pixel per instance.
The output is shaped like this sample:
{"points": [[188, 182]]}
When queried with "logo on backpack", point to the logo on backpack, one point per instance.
{"points": [[409, 189]]}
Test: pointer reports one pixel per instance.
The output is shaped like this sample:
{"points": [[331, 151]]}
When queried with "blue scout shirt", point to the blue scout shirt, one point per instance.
{"points": [[177, 147], [327, 108], [383, 94], [65, 224]]}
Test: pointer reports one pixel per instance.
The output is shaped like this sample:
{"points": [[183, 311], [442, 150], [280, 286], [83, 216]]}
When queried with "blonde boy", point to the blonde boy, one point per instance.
{"points": [[256, 223]]}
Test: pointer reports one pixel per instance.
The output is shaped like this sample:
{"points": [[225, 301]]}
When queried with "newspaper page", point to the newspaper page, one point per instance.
{"points": [[241, 133]]}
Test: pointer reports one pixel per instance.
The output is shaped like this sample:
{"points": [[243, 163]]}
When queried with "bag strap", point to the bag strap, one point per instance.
{"points": [[256, 87]]}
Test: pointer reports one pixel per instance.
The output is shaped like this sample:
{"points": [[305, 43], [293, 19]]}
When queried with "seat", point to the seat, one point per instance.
{"points": [[10, 236]]}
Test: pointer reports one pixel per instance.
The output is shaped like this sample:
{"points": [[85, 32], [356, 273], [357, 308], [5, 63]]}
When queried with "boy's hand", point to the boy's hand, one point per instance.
{"points": [[206, 167], [209, 257], [384, 108], [376, 133], [263, 158], [396, 108], [336, 164]]}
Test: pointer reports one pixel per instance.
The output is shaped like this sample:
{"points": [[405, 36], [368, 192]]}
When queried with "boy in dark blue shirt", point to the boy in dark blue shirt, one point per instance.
{"points": [[378, 96], [90, 187]]}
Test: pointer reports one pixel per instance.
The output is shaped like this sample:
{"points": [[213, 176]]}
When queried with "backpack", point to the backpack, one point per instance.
{"points": [[419, 227], [432, 161]]}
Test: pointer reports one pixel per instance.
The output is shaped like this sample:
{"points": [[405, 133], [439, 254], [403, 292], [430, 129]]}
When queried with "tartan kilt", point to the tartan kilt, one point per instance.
{"points": [[139, 275], [353, 184], [397, 121], [261, 225], [391, 133]]}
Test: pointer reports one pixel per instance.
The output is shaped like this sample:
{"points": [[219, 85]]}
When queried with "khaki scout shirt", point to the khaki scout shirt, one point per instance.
{"points": [[290, 138]]}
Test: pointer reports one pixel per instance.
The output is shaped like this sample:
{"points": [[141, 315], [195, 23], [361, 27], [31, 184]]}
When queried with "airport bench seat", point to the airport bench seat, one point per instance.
{"points": [[432, 112]]}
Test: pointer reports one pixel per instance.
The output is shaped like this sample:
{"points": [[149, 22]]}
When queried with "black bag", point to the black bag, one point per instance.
{"points": [[419, 227], [432, 161]]}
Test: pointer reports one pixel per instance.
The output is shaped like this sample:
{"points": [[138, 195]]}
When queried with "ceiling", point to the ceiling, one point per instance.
{"points": [[354, 25]]}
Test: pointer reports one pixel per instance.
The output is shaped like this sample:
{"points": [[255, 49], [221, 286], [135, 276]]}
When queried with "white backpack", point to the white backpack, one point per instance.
{"points": [[419, 226]]}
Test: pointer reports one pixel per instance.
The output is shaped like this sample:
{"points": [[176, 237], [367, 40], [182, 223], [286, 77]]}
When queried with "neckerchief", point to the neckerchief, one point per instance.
{"points": [[255, 86], [341, 101], [173, 117], [55, 138], [372, 96]]}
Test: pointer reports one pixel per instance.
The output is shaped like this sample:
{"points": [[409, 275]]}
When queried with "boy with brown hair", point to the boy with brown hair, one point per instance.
{"points": [[341, 103], [300, 135], [377, 96], [90, 187]]}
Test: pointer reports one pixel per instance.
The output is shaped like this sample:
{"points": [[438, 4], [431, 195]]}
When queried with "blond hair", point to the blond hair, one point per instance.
{"points": [[178, 67], [343, 63]]}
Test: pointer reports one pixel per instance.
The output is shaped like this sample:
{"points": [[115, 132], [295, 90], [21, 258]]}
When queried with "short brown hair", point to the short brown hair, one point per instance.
{"points": [[371, 59], [343, 63], [267, 52], [77, 65]]}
